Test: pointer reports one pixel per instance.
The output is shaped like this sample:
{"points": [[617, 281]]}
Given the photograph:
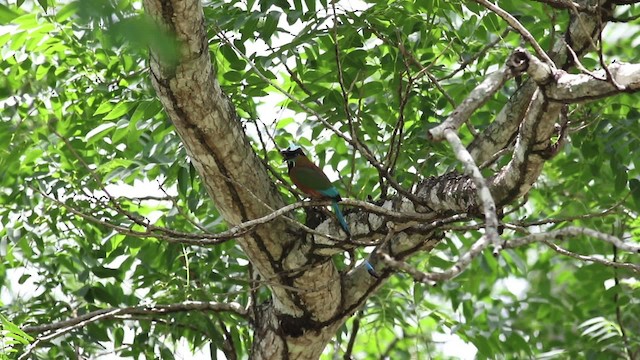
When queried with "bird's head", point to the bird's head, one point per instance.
{"points": [[291, 153]]}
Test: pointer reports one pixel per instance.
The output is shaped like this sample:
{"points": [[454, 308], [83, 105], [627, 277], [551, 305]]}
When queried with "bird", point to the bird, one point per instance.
{"points": [[312, 181]]}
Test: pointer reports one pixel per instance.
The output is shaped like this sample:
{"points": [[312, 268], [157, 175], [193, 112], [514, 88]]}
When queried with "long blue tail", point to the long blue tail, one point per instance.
{"points": [[343, 222], [370, 269], [345, 227]]}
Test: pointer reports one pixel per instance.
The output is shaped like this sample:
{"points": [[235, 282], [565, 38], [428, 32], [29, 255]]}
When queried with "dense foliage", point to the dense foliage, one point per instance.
{"points": [[80, 124]]}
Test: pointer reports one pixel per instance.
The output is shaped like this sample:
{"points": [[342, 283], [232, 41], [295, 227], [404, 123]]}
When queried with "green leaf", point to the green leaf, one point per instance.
{"points": [[114, 164], [119, 110], [13, 331], [234, 61], [104, 273], [620, 178], [103, 108], [183, 181], [44, 4], [118, 337], [67, 11], [282, 123], [99, 132], [6, 15]]}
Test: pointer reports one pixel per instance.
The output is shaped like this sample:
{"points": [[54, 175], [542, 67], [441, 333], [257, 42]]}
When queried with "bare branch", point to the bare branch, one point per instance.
{"points": [[465, 260], [484, 195], [573, 231], [575, 88], [602, 213], [600, 51], [615, 264], [579, 64]]}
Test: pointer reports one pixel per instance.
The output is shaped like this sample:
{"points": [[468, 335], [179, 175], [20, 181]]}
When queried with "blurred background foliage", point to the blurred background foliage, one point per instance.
{"points": [[81, 131]]}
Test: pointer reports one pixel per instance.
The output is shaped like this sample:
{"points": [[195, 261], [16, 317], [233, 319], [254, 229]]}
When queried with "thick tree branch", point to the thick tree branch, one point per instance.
{"points": [[572, 88], [575, 88], [501, 132], [532, 150]]}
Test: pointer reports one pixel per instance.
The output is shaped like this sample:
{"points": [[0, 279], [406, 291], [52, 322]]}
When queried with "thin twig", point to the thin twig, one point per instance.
{"points": [[424, 70], [604, 212], [579, 65], [63, 330], [352, 337], [465, 260], [181, 211], [511, 20], [496, 156], [60, 328], [614, 264], [133, 217], [89, 317], [624, 20], [574, 231], [467, 61], [599, 47], [600, 51]]}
